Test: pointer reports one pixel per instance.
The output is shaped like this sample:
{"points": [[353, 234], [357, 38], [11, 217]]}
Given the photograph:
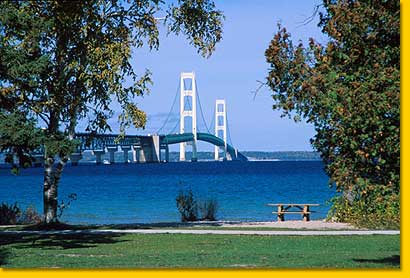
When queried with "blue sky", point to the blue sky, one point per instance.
{"points": [[232, 73]]}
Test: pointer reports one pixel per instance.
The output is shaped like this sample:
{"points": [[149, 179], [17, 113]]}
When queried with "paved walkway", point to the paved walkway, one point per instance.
{"points": [[214, 232]]}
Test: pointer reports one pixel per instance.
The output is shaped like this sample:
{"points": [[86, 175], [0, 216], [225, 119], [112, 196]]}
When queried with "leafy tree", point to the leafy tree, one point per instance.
{"points": [[349, 89], [65, 61], [22, 141]]}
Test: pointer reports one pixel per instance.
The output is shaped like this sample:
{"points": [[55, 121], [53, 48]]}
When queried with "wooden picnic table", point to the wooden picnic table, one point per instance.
{"points": [[303, 209]]}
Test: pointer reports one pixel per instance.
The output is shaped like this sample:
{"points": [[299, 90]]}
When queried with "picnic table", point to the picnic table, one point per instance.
{"points": [[303, 209]]}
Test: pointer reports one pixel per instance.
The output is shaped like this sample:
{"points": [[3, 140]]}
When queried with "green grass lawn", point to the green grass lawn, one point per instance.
{"points": [[198, 251], [158, 226]]}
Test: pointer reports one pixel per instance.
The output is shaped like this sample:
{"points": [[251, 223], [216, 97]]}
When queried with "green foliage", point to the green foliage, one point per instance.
{"points": [[9, 214], [384, 215], [59, 145], [199, 21], [208, 210], [349, 89], [13, 214], [18, 135], [192, 209], [62, 62], [187, 206]]}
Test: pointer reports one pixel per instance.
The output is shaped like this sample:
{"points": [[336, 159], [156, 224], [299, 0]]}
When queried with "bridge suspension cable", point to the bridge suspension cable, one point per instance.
{"points": [[200, 108], [170, 112], [188, 104], [212, 124], [228, 131], [175, 128]]}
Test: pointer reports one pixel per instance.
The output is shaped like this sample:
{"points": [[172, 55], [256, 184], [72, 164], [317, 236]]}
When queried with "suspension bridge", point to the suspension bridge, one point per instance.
{"points": [[155, 148]]}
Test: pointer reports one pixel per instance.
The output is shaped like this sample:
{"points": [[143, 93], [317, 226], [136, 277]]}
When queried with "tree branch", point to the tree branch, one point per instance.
{"points": [[255, 92], [311, 17]]}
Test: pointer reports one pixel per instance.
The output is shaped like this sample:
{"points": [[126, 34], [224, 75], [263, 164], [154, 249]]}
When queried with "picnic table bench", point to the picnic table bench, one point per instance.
{"points": [[303, 209]]}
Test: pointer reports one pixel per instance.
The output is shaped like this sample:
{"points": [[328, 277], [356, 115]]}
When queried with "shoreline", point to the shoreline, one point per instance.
{"points": [[220, 225], [294, 224]]}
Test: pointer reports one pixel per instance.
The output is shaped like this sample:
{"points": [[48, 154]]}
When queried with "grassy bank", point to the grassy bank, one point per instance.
{"points": [[198, 251]]}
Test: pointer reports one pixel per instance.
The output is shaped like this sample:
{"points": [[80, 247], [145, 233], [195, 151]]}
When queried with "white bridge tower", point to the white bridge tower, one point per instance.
{"points": [[188, 109], [220, 125]]}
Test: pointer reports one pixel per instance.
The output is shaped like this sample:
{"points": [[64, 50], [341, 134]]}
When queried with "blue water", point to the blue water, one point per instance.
{"points": [[145, 193]]}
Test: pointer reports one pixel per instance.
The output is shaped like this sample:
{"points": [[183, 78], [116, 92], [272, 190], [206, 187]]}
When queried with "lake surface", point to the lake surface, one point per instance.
{"points": [[145, 193]]}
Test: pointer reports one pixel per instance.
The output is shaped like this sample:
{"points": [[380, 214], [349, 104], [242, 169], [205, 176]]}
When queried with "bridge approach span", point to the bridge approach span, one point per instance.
{"points": [[144, 148]]}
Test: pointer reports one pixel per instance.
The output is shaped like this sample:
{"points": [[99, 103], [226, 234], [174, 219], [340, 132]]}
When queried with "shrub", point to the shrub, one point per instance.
{"points": [[30, 216], [9, 214], [208, 209], [384, 214], [187, 206]]}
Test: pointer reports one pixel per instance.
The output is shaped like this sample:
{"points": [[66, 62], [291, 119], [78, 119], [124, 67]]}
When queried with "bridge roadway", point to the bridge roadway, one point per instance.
{"points": [[144, 148], [206, 137]]}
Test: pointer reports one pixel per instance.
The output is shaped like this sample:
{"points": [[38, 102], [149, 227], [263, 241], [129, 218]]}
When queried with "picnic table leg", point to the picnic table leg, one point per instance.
{"points": [[281, 215], [306, 215]]}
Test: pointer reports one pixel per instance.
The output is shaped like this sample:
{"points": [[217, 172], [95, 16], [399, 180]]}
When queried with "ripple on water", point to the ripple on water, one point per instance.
{"points": [[146, 192]]}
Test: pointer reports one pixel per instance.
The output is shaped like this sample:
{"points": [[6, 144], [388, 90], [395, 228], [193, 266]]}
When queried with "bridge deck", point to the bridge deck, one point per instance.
{"points": [[101, 141]]}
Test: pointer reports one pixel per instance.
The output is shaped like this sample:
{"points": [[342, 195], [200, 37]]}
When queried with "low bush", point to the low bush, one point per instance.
{"points": [[30, 216], [187, 206], [384, 214], [13, 214], [193, 210], [208, 209], [9, 214]]}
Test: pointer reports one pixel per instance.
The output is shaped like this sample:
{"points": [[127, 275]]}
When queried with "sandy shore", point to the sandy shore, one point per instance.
{"points": [[311, 225], [291, 224]]}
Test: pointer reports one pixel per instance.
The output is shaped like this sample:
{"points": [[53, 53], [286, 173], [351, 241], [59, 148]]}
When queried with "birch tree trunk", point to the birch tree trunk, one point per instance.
{"points": [[52, 177], [50, 202]]}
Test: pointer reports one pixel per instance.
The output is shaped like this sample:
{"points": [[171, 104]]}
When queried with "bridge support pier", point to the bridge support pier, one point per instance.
{"points": [[167, 154], [156, 150], [98, 156], [150, 149], [135, 153], [75, 157], [227, 157], [182, 151], [187, 96], [141, 155], [125, 149], [220, 126], [112, 150], [194, 157]]}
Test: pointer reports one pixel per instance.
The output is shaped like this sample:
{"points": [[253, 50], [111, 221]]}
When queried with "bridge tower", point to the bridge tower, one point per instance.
{"points": [[220, 125], [188, 109]]}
